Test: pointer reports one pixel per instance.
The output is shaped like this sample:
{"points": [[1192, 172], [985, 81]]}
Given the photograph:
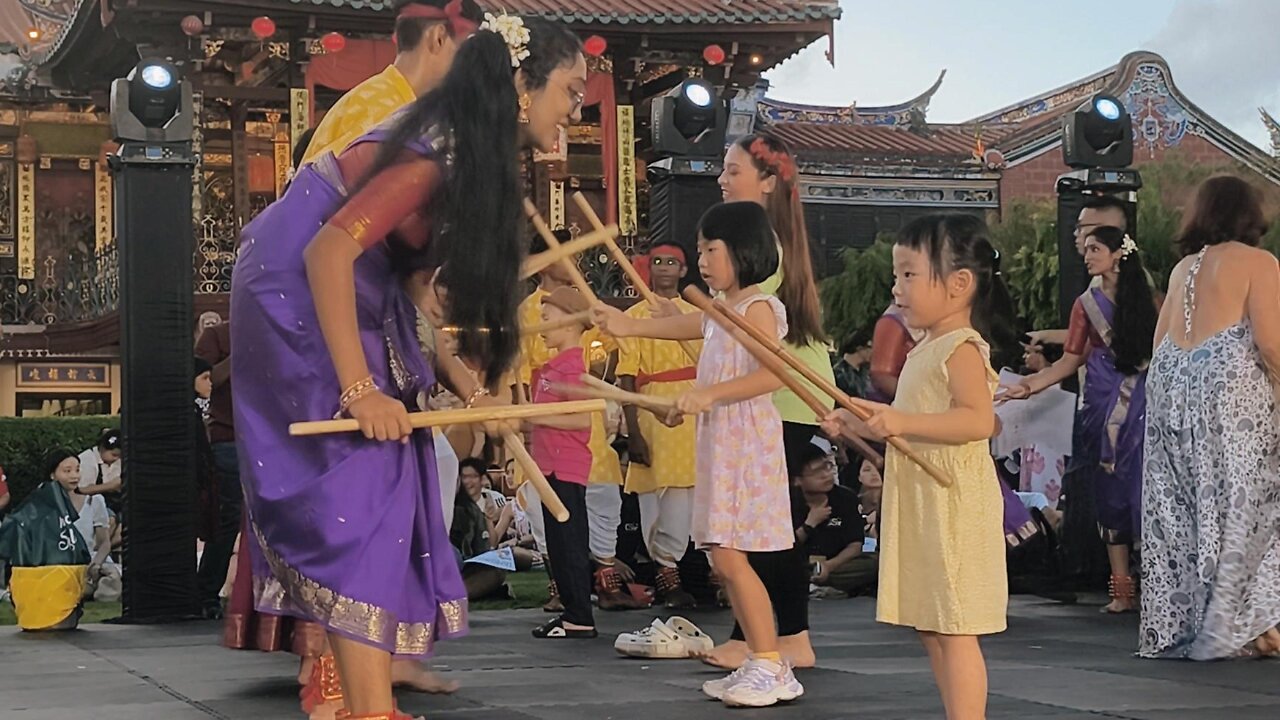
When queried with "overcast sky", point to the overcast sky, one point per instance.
{"points": [[1224, 54]]}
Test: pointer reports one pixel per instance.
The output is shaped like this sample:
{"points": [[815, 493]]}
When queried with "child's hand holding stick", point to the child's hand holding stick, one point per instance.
{"points": [[627, 268], [772, 356]]}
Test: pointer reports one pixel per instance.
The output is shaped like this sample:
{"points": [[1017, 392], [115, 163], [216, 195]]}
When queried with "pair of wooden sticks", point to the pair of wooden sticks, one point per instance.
{"points": [[627, 268], [470, 416], [772, 355]]}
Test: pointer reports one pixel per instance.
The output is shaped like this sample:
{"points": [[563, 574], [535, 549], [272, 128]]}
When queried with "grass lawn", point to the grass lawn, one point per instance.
{"points": [[528, 590]]}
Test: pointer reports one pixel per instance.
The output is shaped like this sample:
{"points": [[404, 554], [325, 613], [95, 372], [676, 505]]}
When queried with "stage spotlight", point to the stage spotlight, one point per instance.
{"points": [[690, 119], [1099, 134], [152, 104]]}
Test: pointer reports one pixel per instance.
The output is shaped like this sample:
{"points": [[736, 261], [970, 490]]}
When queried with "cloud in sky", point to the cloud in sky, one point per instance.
{"points": [[1222, 52]]}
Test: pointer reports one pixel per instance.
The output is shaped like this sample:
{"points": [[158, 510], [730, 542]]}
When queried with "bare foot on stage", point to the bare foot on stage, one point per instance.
{"points": [[797, 650], [730, 656], [416, 676], [1120, 605], [1268, 643]]}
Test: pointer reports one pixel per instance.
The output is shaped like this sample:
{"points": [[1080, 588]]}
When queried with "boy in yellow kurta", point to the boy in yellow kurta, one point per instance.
{"points": [[427, 36], [661, 469], [604, 499]]}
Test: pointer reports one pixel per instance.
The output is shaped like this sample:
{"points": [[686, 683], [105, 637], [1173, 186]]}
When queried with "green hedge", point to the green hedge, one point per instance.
{"points": [[24, 443]]}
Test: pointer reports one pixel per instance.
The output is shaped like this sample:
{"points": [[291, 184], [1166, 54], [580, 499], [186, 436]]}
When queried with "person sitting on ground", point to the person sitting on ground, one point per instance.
{"points": [[473, 533], [828, 524], [48, 558], [517, 535], [100, 474], [102, 576]]}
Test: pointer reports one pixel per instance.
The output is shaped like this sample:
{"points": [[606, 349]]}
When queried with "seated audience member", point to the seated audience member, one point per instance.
{"points": [[473, 533], [828, 523], [49, 558], [510, 524], [100, 474]]}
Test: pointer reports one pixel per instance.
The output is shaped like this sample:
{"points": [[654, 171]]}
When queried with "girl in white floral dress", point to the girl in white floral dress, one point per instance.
{"points": [[741, 502]]}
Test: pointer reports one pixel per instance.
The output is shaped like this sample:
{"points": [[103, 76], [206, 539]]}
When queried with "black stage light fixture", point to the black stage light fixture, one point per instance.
{"points": [[690, 120], [152, 119], [1099, 134], [152, 104]]}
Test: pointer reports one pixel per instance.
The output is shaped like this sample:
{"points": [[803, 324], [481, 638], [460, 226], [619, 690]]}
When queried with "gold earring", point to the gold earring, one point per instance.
{"points": [[525, 104]]}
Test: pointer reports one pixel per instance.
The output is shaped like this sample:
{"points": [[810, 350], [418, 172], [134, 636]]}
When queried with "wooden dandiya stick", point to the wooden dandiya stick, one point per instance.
{"points": [[571, 267], [566, 321], [464, 416], [535, 264], [595, 387], [772, 362], [627, 268], [522, 457]]}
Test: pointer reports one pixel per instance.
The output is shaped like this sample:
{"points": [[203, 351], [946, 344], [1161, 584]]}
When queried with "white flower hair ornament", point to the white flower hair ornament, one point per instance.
{"points": [[513, 31], [1127, 246]]}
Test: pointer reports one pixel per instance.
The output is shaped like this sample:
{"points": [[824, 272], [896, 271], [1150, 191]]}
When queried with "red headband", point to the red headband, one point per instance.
{"points": [[459, 24], [669, 251]]}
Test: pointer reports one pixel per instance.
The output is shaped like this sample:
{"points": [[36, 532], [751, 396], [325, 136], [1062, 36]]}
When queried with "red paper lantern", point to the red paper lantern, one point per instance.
{"points": [[192, 25], [713, 54], [334, 42], [595, 46], [263, 27]]}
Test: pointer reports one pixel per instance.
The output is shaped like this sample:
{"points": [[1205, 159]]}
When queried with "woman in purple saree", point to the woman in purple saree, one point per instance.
{"points": [[1110, 335], [347, 530]]}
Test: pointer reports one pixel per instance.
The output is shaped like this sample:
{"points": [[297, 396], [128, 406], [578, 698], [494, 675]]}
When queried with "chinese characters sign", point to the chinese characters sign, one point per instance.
{"points": [[557, 204], [299, 113], [103, 208], [26, 221], [61, 375], [626, 170]]}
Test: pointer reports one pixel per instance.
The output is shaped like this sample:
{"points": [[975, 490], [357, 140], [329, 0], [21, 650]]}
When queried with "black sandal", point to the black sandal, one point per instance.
{"points": [[555, 630]]}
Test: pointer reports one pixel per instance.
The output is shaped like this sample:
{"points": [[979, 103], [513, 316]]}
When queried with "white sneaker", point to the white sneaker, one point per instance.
{"points": [[715, 689], [763, 683]]}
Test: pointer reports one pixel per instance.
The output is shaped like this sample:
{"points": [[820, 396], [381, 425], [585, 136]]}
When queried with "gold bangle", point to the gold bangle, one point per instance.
{"points": [[476, 394], [356, 391]]}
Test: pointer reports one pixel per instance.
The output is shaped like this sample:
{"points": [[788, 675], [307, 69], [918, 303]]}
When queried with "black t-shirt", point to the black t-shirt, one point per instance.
{"points": [[470, 531], [843, 528]]}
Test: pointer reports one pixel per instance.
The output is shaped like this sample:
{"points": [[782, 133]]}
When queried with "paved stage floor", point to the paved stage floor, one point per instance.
{"points": [[1059, 662]]}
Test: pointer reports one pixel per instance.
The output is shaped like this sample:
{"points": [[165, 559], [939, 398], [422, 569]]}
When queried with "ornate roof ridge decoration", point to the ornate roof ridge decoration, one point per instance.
{"points": [[1162, 117], [908, 113], [1067, 95], [1273, 128], [76, 17], [604, 12]]}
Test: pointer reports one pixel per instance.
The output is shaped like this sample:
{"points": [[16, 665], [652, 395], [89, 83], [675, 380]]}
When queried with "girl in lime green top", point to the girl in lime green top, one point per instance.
{"points": [[760, 168]]}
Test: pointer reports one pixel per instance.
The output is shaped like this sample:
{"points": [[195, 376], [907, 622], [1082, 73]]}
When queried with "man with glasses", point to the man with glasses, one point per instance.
{"points": [[829, 527], [661, 467]]}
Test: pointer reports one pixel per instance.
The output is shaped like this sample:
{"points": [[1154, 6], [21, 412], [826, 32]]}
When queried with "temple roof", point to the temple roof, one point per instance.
{"points": [[642, 11], [85, 52], [1162, 117], [19, 17]]}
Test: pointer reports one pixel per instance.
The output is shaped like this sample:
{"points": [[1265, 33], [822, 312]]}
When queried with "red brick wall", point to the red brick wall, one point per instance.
{"points": [[1034, 179]]}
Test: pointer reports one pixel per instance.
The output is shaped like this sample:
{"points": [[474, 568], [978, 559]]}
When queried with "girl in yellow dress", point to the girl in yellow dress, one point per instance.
{"points": [[942, 557]]}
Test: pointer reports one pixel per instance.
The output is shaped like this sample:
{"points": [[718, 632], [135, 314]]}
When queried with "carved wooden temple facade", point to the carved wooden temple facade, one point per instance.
{"points": [[257, 91], [868, 170]]}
